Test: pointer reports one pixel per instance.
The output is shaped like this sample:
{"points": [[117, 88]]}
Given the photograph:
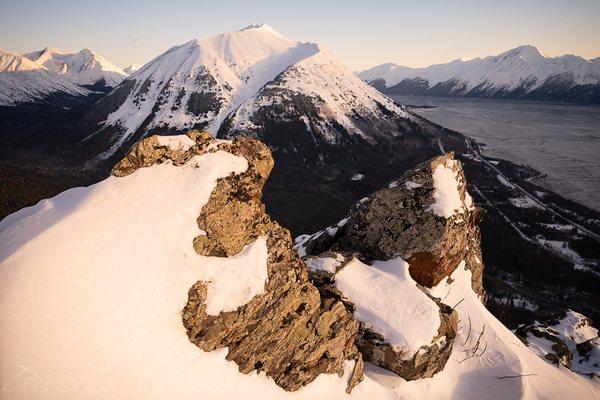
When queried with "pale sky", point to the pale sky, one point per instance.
{"points": [[362, 33]]}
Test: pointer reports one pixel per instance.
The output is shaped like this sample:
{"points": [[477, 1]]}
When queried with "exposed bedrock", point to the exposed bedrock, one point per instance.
{"points": [[289, 331], [301, 325], [400, 221]]}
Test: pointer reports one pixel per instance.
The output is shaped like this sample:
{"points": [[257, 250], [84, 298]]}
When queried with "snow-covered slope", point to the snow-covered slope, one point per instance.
{"points": [[84, 68], [93, 281], [130, 69], [326, 97], [25, 81], [203, 82], [520, 72]]}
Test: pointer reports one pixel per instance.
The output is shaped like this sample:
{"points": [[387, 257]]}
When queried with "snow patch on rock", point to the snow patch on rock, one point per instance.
{"points": [[177, 142], [446, 195], [388, 301]]}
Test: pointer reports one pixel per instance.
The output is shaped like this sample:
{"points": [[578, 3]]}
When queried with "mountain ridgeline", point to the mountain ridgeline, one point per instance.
{"points": [[253, 80], [42, 86], [520, 73]]}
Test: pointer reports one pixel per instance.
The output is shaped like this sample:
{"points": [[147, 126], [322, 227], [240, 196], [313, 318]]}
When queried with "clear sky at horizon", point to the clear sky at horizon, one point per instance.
{"points": [[361, 33]]}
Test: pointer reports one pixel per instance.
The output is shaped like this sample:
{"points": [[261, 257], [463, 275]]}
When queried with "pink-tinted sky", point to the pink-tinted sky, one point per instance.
{"points": [[362, 33]]}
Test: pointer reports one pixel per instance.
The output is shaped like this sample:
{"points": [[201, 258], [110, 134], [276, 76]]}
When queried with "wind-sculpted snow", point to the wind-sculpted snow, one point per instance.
{"points": [[93, 281]]}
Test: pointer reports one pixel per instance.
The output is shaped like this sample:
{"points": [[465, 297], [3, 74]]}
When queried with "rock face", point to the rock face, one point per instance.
{"points": [[398, 222], [289, 332]]}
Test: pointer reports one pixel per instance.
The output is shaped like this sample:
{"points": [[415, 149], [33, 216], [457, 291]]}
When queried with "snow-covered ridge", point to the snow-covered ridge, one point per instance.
{"points": [[205, 82], [524, 65], [104, 305], [229, 67], [82, 68], [324, 78], [23, 80], [130, 69]]}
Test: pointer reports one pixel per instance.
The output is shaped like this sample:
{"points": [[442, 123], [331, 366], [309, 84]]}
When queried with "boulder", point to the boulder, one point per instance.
{"points": [[398, 221], [288, 332], [401, 221]]}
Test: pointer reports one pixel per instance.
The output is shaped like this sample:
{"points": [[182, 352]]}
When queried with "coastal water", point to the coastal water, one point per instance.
{"points": [[561, 141]]}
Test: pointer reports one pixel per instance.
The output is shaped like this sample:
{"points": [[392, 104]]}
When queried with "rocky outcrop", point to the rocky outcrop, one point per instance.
{"points": [[301, 326], [398, 222], [570, 341], [560, 353], [150, 151], [289, 331]]}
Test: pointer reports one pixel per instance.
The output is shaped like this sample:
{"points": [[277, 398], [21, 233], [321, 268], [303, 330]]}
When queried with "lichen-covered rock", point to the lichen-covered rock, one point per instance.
{"points": [[428, 361], [398, 221], [289, 331]]}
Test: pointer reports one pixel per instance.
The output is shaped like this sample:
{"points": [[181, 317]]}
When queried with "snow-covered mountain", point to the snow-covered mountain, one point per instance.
{"points": [[26, 81], [226, 83], [84, 68], [523, 72], [130, 69]]}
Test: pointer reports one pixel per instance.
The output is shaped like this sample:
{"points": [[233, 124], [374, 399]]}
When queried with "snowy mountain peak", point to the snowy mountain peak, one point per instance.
{"points": [[522, 72], [23, 80], [14, 62], [84, 68], [524, 52], [221, 82]]}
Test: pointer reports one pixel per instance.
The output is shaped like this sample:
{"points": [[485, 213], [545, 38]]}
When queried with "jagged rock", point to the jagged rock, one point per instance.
{"points": [[425, 363], [561, 354], [289, 332], [428, 361], [398, 222]]}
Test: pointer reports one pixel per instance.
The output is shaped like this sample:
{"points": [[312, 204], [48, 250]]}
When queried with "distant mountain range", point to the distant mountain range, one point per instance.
{"points": [[23, 81], [84, 68], [520, 73], [43, 85], [54, 77]]}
